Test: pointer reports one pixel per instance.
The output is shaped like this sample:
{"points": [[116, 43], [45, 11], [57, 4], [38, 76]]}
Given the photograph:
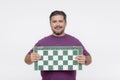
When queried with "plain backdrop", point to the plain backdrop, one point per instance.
{"points": [[96, 23]]}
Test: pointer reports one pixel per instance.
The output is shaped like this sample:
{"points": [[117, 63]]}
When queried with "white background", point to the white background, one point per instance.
{"points": [[96, 23]]}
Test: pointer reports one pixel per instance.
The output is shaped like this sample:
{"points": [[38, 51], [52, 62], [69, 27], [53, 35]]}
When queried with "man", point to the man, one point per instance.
{"points": [[59, 38]]}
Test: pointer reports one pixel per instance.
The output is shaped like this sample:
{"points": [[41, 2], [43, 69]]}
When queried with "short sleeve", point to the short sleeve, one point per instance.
{"points": [[85, 52]]}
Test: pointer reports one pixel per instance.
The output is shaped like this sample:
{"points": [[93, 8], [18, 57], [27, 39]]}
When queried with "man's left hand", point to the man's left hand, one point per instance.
{"points": [[81, 59]]}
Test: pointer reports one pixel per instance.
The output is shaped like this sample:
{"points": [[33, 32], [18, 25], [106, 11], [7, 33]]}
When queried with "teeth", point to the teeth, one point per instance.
{"points": [[58, 27]]}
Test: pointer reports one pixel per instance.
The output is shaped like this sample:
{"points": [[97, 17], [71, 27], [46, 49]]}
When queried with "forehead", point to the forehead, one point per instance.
{"points": [[57, 17]]}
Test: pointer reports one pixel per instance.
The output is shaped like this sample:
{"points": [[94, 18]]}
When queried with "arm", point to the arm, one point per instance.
{"points": [[88, 60], [28, 59]]}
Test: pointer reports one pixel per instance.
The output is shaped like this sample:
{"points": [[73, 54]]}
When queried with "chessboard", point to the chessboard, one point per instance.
{"points": [[57, 58]]}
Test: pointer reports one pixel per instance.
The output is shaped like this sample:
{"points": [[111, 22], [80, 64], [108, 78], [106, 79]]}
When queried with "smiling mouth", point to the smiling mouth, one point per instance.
{"points": [[58, 27]]}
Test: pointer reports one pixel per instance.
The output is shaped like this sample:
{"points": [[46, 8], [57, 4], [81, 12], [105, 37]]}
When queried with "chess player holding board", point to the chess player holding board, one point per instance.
{"points": [[58, 24]]}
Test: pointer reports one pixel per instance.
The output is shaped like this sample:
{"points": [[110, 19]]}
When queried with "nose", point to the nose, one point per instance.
{"points": [[58, 23]]}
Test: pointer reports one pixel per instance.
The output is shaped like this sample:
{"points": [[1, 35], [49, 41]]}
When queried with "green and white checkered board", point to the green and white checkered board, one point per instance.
{"points": [[58, 58]]}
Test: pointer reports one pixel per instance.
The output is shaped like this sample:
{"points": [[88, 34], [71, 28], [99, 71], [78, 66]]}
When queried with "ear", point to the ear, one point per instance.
{"points": [[50, 24], [65, 23]]}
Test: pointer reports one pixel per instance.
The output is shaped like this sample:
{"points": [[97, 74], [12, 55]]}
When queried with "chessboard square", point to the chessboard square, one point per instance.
{"points": [[70, 67], [41, 67], [60, 57], [50, 52], [50, 62], [65, 67], [45, 52], [55, 67], [45, 62], [75, 52], [55, 62], [70, 62], [45, 57], [70, 52], [65, 62], [75, 67], [60, 67], [40, 62], [65, 52], [60, 52], [50, 57], [55, 58], [75, 63], [40, 52], [74, 57], [45, 67], [55, 52], [70, 57], [60, 62], [41, 57], [79, 67], [50, 67], [65, 57]]}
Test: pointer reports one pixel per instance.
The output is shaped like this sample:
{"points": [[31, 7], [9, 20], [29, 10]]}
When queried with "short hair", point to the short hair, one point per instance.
{"points": [[56, 12]]}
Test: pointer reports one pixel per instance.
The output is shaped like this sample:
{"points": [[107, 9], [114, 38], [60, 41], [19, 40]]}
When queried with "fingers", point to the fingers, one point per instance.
{"points": [[80, 59], [35, 57]]}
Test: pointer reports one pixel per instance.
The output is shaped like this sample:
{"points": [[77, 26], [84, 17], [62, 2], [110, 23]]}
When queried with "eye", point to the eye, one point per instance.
{"points": [[61, 21], [54, 21]]}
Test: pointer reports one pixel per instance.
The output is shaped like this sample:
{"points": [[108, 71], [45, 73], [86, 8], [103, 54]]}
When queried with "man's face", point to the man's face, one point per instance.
{"points": [[57, 24]]}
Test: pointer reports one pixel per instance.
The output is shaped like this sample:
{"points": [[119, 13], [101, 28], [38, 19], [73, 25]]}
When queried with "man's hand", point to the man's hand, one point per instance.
{"points": [[81, 59], [30, 58], [34, 57]]}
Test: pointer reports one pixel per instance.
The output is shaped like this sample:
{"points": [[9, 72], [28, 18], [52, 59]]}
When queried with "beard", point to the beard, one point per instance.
{"points": [[58, 33]]}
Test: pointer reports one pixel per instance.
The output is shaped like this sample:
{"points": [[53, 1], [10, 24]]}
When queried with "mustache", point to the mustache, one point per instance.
{"points": [[58, 27]]}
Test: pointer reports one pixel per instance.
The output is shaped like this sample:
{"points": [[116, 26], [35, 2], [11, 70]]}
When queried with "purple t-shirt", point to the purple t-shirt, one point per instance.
{"points": [[66, 40]]}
